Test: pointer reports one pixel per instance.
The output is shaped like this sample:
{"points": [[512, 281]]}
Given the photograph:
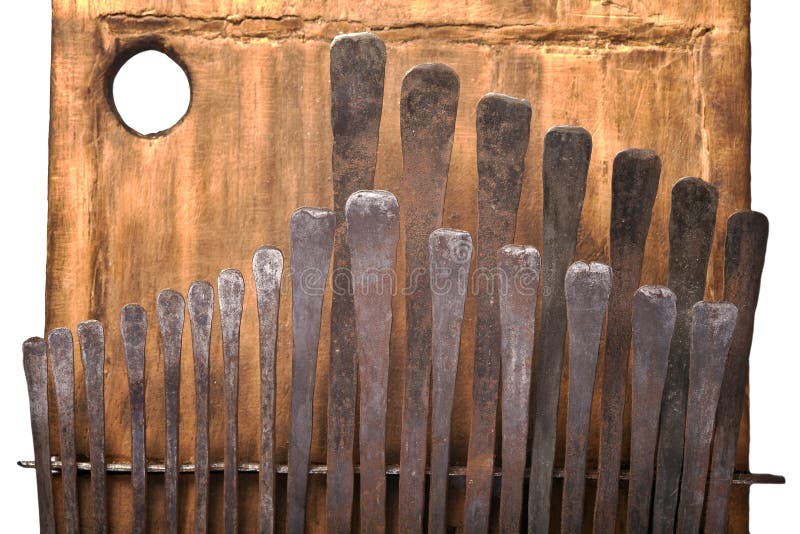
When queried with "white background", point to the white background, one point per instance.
{"points": [[774, 383]]}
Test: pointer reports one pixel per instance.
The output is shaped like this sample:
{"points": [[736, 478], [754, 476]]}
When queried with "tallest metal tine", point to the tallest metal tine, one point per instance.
{"points": [[567, 150], [267, 271], [634, 185], [34, 360], [171, 313], [311, 232], [231, 297], [428, 105], [357, 73], [92, 342], [503, 131], [59, 341]]}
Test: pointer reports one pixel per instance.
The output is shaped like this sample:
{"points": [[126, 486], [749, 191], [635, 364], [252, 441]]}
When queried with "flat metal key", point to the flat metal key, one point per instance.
{"points": [[691, 233], [201, 309], [268, 272], [428, 105], [567, 151], [373, 229], [357, 71], [93, 353], [713, 324], [34, 360], [503, 131], [519, 268], [170, 307], [230, 286], [587, 288], [653, 322], [745, 248], [634, 184], [312, 241], [59, 342], [133, 327], [449, 253]]}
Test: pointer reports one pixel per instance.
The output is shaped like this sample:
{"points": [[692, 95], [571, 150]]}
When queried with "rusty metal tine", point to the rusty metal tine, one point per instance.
{"points": [[450, 253], [357, 71], [230, 286], [713, 324], [587, 288], [503, 131], [745, 247], [373, 229], [133, 327], [34, 360], [634, 185], [428, 105], [691, 233], [653, 321], [201, 309], [267, 272], [312, 241], [92, 343], [519, 268], [567, 151], [59, 342], [170, 306]]}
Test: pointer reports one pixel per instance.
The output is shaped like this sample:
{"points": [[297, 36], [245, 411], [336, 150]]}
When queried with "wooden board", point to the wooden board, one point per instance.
{"points": [[129, 216]]}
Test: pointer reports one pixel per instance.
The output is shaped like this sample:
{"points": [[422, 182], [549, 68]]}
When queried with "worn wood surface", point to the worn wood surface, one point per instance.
{"points": [[129, 216]]}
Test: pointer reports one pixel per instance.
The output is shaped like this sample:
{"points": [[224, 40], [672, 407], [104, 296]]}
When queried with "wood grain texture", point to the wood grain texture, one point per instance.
{"points": [[130, 215]]}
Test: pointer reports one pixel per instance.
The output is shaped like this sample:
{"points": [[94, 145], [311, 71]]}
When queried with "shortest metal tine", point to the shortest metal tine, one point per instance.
{"points": [[92, 341], [34, 360]]}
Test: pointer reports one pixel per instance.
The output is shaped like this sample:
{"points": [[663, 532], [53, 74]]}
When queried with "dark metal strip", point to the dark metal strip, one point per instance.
{"points": [[133, 327], [230, 286], [373, 229], [503, 131], [634, 185], [450, 253], [567, 151], [713, 324], [357, 71], [312, 241], [587, 288], [652, 325], [745, 247], [428, 105], [519, 268], [268, 272]]}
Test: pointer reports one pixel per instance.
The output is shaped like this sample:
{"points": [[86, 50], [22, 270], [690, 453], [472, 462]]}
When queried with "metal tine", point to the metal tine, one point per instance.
{"points": [[519, 268], [745, 247], [312, 241], [92, 342], [59, 343], [653, 322], [713, 324], [587, 289], [691, 232], [449, 253], [201, 310], [34, 360], [503, 131], [230, 286], [567, 151], [171, 306], [357, 73], [428, 105], [373, 229], [268, 272], [133, 327], [634, 185]]}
